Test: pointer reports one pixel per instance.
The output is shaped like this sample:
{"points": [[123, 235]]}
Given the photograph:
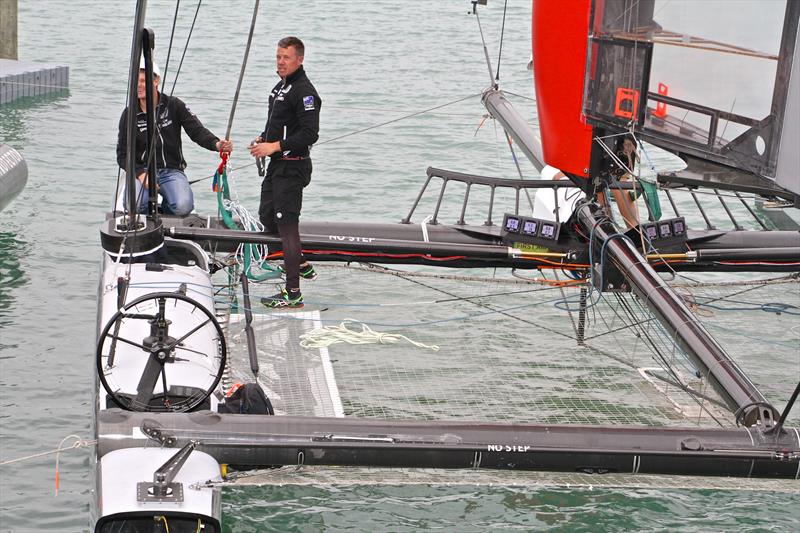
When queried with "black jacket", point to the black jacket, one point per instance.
{"points": [[172, 114], [293, 115]]}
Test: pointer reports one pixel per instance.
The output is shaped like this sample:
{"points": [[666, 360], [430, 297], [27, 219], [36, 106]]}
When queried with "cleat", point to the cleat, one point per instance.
{"points": [[282, 300]]}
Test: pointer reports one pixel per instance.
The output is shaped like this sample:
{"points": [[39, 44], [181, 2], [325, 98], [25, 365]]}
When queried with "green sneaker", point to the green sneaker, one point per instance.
{"points": [[282, 300], [306, 272]]}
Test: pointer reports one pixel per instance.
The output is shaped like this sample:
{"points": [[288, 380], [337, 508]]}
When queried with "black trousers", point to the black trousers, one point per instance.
{"points": [[279, 210]]}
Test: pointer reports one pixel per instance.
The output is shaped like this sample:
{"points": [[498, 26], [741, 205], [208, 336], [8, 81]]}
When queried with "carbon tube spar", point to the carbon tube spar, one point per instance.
{"points": [[739, 393], [500, 108], [252, 441], [750, 254], [373, 244]]}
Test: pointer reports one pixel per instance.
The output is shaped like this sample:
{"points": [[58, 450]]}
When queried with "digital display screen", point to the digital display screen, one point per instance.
{"points": [[548, 231], [512, 224], [678, 227], [530, 227], [665, 230], [651, 232]]}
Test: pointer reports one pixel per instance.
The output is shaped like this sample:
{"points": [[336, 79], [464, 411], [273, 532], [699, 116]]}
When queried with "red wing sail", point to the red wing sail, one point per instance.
{"points": [[559, 40]]}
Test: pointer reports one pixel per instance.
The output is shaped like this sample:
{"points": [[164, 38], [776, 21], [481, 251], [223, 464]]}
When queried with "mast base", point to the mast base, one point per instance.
{"points": [[123, 236]]}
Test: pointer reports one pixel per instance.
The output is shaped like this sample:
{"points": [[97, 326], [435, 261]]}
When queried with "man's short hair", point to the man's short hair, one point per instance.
{"points": [[286, 42]]}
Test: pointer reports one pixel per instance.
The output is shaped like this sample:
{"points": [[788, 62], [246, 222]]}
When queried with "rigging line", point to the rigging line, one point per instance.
{"points": [[666, 365], [185, 47], [516, 164], [791, 278], [169, 48], [116, 190], [490, 308], [659, 357], [625, 13], [399, 119], [379, 269], [502, 34], [455, 298], [106, 93], [750, 210], [485, 50], [79, 443], [660, 9], [620, 328], [709, 193], [374, 126], [792, 343], [427, 323], [727, 121], [735, 293], [622, 319], [688, 390], [569, 311], [241, 72], [519, 95], [697, 396]]}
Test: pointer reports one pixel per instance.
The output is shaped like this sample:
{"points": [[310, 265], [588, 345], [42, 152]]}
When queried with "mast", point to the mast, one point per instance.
{"points": [[127, 235], [133, 81]]}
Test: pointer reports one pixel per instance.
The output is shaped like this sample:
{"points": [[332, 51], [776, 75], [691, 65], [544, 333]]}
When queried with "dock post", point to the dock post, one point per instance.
{"points": [[8, 29]]}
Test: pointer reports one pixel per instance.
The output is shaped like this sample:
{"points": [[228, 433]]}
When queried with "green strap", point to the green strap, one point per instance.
{"points": [[651, 197], [223, 193]]}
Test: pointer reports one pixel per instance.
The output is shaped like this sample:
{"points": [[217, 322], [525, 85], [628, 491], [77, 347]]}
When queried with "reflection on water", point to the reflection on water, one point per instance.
{"points": [[13, 129], [12, 125], [12, 249]]}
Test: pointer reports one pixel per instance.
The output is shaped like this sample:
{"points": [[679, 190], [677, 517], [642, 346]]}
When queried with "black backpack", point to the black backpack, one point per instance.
{"points": [[248, 399]]}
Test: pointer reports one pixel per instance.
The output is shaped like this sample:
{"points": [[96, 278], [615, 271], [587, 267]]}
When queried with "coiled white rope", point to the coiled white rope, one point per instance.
{"points": [[328, 335]]}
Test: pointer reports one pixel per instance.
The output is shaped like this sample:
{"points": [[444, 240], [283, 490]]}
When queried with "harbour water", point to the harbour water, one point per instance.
{"points": [[374, 63]]}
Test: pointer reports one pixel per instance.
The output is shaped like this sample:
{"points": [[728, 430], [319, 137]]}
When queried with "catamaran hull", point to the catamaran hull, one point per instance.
{"points": [[120, 474], [13, 174]]}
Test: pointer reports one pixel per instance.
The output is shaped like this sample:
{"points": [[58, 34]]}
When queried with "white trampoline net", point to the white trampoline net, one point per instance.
{"points": [[508, 350]]}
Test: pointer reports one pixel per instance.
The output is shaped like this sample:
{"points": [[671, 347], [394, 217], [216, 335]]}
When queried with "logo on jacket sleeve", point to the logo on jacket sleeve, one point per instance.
{"points": [[308, 102]]}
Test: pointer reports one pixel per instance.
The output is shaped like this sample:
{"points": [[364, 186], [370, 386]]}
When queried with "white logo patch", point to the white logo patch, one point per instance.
{"points": [[308, 102]]}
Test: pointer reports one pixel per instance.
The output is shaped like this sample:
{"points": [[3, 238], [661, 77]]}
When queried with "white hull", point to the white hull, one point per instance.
{"points": [[13, 174], [120, 472]]}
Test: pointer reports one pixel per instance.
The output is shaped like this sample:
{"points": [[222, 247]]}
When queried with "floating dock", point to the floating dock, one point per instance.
{"points": [[21, 79]]}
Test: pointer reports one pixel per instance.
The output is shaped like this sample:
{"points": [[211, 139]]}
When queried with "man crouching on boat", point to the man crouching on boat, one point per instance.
{"points": [[171, 115], [292, 127]]}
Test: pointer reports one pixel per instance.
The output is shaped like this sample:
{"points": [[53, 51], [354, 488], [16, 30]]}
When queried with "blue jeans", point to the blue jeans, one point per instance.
{"points": [[175, 191]]}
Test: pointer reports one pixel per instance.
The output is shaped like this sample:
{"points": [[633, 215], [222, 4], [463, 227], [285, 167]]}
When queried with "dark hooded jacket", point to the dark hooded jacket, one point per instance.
{"points": [[172, 115]]}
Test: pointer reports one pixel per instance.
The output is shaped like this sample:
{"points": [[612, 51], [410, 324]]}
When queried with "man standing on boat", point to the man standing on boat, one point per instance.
{"points": [[171, 115], [292, 128]]}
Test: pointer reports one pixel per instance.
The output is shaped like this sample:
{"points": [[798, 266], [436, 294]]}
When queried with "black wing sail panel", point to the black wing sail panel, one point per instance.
{"points": [[733, 133]]}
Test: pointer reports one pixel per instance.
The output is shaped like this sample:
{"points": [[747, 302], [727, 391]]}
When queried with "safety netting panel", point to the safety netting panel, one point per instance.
{"points": [[297, 381], [419, 344]]}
